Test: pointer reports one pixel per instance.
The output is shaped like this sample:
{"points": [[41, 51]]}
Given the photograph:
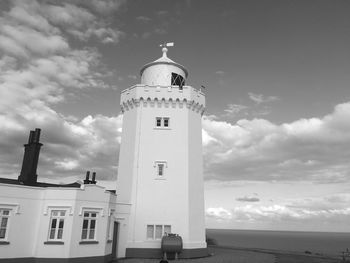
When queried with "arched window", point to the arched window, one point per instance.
{"points": [[177, 80]]}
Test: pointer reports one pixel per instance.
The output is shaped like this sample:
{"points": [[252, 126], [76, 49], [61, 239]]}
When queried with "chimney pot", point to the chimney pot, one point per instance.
{"points": [[37, 135], [31, 137], [87, 178], [93, 178]]}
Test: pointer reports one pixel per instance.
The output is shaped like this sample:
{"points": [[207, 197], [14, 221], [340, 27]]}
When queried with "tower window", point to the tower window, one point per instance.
{"points": [[159, 122], [157, 231], [166, 122], [162, 122], [167, 229], [160, 168], [150, 231], [177, 80]]}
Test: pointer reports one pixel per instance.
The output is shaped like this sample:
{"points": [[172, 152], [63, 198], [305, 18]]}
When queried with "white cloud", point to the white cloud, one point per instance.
{"points": [[81, 23], [307, 149], [103, 7], [67, 164], [26, 13], [259, 98], [316, 209], [75, 18], [234, 109], [34, 41], [38, 67], [143, 19], [207, 139], [259, 108], [218, 213], [248, 199]]}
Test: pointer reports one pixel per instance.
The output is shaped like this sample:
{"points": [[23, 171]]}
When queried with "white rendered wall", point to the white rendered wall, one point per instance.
{"points": [[126, 184], [23, 224], [30, 218], [122, 217], [179, 196], [196, 192]]}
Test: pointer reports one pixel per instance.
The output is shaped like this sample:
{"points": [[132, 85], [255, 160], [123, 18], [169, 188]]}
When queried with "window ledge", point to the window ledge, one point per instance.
{"points": [[88, 242], [162, 128], [53, 243], [160, 178], [4, 243]]}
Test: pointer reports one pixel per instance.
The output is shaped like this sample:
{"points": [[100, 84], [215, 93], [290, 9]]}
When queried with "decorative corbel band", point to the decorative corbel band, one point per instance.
{"points": [[91, 208], [130, 104], [54, 206]]}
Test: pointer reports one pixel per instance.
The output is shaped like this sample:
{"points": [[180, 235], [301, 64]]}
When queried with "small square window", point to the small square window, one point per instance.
{"points": [[166, 122], [160, 169], [162, 122], [158, 122], [167, 229], [159, 230], [150, 231]]}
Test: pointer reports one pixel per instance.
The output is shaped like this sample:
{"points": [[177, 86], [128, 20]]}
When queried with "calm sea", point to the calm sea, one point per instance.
{"points": [[315, 242]]}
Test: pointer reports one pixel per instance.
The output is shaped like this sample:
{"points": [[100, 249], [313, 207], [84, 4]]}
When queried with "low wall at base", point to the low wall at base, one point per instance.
{"points": [[157, 253], [100, 259]]}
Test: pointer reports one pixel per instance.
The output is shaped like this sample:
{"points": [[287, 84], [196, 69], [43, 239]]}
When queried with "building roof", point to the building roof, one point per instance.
{"points": [[38, 184]]}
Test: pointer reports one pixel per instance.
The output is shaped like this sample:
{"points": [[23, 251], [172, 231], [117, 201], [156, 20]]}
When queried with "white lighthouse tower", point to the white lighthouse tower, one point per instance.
{"points": [[160, 179]]}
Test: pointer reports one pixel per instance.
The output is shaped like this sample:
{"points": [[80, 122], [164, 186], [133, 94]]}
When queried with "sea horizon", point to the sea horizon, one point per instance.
{"points": [[274, 230], [310, 242]]}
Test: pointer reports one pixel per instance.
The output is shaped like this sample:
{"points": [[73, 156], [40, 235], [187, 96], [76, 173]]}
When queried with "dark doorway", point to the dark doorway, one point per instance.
{"points": [[115, 240]]}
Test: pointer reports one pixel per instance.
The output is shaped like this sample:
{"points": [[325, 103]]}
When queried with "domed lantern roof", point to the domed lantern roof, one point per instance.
{"points": [[163, 71]]}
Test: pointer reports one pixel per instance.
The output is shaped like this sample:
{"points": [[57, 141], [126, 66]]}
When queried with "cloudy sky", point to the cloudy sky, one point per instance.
{"points": [[276, 133]]}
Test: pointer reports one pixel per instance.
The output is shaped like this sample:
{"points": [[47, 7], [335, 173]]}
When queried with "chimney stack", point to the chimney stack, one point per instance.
{"points": [[28, 174], [87, 178]]}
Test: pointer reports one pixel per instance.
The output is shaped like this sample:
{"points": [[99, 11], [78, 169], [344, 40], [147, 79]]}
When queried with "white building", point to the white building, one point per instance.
{"points": [[160, 180], [56, 224], [41, 222]]}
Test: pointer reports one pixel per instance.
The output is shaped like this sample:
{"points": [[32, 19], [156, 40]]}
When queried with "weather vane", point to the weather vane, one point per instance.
{"points": [[170, 44], [164, 47]]}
